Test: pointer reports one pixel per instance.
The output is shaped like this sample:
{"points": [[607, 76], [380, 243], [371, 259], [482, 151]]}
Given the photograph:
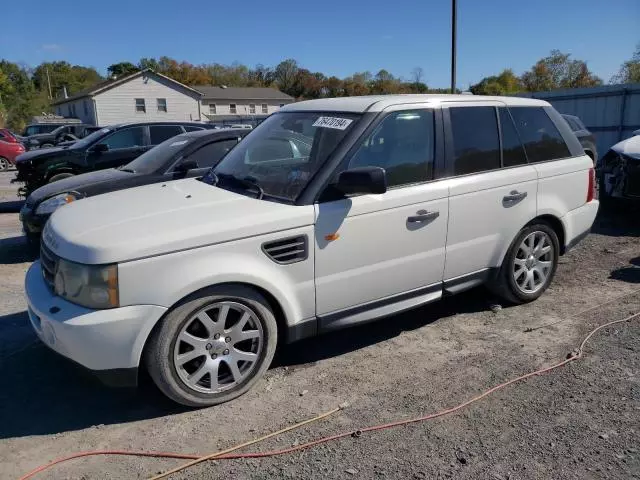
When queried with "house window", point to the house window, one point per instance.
{"points": [[162, 105], [232, 108], [85, 104], [212, 109], [140, 106], [69, 110], [73, 110], [252, 108], [265, 109]]}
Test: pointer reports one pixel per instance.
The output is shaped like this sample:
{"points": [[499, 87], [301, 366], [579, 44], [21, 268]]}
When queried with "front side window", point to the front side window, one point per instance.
{"points": [[475, 139], [126, 138], [265, 109], [232, 108], [252, 108], [162, 105], [542, 140], [512, 149], [160, 133], [210, 154], [140, 105], [403, 144], [283, 153]]}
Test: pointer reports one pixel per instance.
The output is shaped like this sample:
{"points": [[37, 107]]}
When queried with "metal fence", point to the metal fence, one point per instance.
{"points": [[611, 112]]}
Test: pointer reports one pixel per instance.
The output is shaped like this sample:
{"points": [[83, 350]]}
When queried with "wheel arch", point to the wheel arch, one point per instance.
{"points": [[57, 171], [556, 224], [276, 307]]}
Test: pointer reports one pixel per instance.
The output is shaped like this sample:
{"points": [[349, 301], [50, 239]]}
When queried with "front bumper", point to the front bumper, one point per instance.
{"points": [[109, 342]]}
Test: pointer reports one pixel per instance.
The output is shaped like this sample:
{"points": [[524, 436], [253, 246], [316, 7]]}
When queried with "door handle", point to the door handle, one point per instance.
{"points": [[514, 196], [423, 216]]}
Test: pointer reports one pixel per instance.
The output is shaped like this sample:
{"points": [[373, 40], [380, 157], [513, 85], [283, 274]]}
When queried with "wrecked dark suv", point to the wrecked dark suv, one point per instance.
{"points": [[109, 147], [619, 171]]}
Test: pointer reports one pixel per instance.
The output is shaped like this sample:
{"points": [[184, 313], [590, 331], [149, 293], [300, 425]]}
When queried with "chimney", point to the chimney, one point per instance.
{"points": [[64, 91]]}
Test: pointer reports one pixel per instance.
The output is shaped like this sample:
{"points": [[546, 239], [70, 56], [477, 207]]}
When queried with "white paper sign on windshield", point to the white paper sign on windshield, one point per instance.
{"points": [[332, 122]]}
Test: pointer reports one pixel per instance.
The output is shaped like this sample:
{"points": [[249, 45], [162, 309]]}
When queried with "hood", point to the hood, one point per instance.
{"points": [[35, 155], [76, 184], [163, 218], [629, 147]]}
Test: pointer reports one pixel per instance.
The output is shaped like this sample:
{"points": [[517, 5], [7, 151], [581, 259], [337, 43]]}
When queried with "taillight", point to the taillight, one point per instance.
{"points": [[591, 190]]}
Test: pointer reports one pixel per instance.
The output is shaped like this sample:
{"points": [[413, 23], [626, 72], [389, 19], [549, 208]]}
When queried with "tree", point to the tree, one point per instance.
{"points": [[123, 68], [63, 75], [20, 99], [630, 70], [506, 83], [558, 71], [285, 75], [417, 74]]}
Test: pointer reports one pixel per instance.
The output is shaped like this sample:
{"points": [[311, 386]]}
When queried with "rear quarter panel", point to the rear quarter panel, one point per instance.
{"points": [[562, 185]]}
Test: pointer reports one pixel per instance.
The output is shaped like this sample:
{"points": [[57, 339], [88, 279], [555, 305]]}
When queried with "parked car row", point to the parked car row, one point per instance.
{"points": [[330, 213]]}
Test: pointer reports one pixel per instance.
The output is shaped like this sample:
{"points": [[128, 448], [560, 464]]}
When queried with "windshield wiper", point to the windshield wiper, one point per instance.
{"points": [[248, 182]]}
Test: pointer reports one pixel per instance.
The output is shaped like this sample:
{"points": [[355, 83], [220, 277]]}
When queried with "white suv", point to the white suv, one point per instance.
{"points": [[331, 213]]}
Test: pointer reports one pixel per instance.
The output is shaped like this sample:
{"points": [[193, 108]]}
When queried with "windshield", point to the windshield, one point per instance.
{"points": [[89, 139], [158, 157], [283, 153]]}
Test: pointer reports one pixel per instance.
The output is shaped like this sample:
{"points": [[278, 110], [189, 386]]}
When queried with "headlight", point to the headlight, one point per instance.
{"points": [[52, 204], [92, 286]]}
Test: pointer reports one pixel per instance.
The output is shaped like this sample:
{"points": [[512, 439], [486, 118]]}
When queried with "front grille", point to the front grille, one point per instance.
{"points": [[287, 250], [49, 263]]}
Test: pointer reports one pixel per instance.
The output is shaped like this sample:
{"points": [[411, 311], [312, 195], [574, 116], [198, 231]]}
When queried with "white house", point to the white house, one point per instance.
{"points": [[141, 96], [240, 103]]}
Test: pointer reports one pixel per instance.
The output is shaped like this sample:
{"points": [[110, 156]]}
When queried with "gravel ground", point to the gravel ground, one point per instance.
{"points": [[581, 421]]}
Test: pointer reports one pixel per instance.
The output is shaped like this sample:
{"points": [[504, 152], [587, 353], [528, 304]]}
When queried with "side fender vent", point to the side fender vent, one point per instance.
{"points": [[288, 250]]}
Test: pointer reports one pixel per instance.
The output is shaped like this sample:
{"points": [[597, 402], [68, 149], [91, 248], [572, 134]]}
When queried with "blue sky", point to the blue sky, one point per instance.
{"points": [[334, 37]]}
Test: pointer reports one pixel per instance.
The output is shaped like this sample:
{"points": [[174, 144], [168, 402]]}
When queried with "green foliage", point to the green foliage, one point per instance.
{"points": [[62, 74], [506, 83], [630, 70], [559, 71], [121, 69]]}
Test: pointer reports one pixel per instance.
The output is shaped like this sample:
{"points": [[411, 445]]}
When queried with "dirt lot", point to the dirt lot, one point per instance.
{"points": [[582, 421]]}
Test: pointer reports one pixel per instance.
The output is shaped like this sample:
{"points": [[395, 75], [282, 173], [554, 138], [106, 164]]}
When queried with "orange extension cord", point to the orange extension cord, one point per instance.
{"points": [[226, 455]]}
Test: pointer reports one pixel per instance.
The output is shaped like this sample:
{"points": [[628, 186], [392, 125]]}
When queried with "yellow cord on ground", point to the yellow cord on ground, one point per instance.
{"points": [[246, 444]]}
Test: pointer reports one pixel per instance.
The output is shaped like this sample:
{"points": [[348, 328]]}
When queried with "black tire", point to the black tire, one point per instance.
{"points": [[60, 176], [159, 350], [504, 284], [4, 164]]}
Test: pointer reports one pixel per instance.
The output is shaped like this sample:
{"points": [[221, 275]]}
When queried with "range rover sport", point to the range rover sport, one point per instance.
{"points": [[331, 213]]}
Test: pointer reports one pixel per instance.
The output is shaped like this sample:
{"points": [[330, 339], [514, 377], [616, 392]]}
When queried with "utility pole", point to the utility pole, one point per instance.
{"points": [[454, 12], [49, 83]]}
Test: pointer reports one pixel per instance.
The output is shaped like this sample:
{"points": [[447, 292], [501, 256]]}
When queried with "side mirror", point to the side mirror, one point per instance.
{"points": [[101, 148], [362, 180], [186, 165]]}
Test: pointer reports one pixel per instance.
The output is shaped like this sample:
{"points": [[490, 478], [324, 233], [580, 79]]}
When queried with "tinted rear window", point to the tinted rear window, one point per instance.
{"points": [[160, 133], [475, 139], [542, 140], [512, 150]]}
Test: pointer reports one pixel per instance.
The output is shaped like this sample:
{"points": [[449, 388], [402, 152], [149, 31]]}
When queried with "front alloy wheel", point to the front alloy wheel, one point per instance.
{"points": [[218, 347], [213, 346]]}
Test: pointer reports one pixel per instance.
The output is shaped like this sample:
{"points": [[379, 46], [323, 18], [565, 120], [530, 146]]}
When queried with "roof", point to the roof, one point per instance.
{"points": [[242, 93], [377, 103], [110, 83]]}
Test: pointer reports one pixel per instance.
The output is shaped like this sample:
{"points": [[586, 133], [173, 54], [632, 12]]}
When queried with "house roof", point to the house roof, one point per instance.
{"points": [[107, 84], [241, 93]]}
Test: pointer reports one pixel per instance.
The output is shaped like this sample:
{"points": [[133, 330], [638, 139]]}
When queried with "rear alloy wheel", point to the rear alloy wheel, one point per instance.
{"points": [[213, 347], [529, 266], [4, 164]]}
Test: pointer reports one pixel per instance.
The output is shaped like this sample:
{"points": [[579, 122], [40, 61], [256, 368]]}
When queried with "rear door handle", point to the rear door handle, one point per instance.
{"points": [[423, 216], [514, 196]]}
